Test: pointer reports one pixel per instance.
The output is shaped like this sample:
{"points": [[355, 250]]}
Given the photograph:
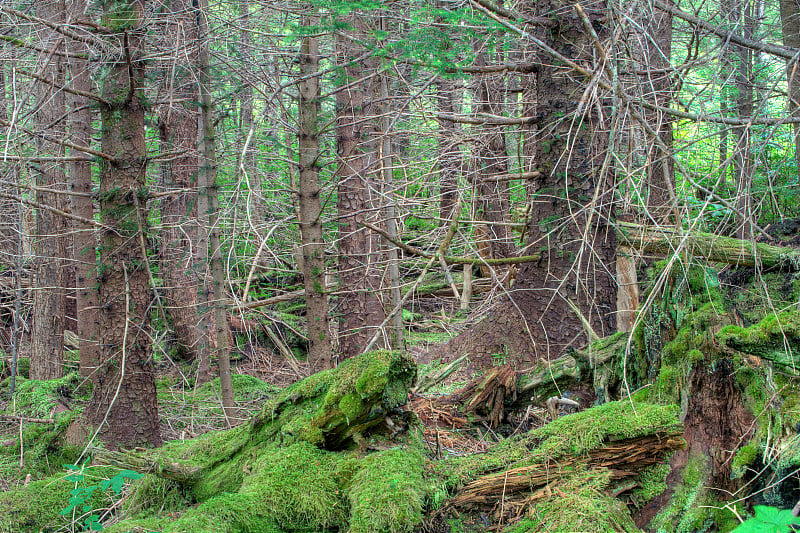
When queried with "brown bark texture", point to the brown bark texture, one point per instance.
{"points": [[178, 132], [572, 285], [790, 26], [360, 309], [49, 300], [124, 400], [310, 209], [84, 245]]}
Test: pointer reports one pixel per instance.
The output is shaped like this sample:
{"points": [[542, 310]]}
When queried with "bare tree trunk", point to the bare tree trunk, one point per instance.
{"points": [[494, 203], [744, 107], [255, 195], [208, 182], [790, 25], [310, 207], [360, 308], [389, 211], [178, 127], [124, 404], [47, 358], [85, 240]]}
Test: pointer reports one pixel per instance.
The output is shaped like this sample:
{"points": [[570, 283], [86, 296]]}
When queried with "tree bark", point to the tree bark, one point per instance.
{"points": [[124, 404], [178, 130], [360, 309], [85, 240], [47, 337], [571, 287], [210, 186], [310, 207], [790, 26], [494, 202]]}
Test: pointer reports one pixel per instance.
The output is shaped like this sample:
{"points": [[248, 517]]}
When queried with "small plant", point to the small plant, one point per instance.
{"points": [[81, 497], [500, 358], [769, 520]]}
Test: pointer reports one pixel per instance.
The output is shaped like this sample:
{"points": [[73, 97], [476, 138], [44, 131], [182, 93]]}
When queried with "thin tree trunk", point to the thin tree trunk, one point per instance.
{"points": [[47, 358], [360, 308], [492, 159], [255, 195], [124, 405], [389, 211], [85, 240], [310, 207], [178, 127], [790, 26], [744, 107], [208, 182]]}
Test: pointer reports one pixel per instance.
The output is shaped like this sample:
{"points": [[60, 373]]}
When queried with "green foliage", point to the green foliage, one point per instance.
{"points": [[769, 520], [36, 506], [80, 501]]}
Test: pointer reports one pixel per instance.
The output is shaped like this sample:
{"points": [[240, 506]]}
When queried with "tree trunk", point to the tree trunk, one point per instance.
{"points": [[255, 195], [208, 182], [124, 404], [658, 86], [310, 207], [85, 240], [790, 25], [47, 337], [744, 107], [178, 131], [494, 203], [571, 288], [360, 308]]}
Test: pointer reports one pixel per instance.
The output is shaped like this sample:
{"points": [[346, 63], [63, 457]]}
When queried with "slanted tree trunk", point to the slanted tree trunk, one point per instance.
{"points": [[359, 308], [51, 229], [178, 132], [124, 403], [554, 301], [310, 207], [85, 240]]}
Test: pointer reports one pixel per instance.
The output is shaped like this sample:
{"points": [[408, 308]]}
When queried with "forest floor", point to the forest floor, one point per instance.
{"points": [[709, 431]]}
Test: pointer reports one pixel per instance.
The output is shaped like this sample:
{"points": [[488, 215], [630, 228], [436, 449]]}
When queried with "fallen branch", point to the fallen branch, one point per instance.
{"points": [[715, 248]]}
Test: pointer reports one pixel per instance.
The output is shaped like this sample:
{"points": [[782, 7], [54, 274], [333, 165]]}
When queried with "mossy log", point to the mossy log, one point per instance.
{"points": [[614, 441], [332, 409], [715, 248]]}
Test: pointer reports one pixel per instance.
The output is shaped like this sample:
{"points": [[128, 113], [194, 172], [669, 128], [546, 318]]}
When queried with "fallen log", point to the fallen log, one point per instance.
{"points": [[715, 248]]}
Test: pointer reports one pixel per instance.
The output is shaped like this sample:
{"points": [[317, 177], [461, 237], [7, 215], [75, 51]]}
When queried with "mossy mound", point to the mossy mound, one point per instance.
{"points": [[299, 465], [37, 506], [583, 504]]}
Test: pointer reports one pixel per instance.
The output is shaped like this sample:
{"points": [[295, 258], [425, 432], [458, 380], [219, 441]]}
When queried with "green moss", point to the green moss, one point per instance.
{"points": [[746, 456], [36, 506], [154, 495], [686, 512], [572, 435], [387, 493], [775, 338], [582, 505], [652, 482]]}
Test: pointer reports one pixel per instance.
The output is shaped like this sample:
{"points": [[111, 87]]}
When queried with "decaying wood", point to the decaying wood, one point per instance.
{"points": [[715, 248], [625, 459]]}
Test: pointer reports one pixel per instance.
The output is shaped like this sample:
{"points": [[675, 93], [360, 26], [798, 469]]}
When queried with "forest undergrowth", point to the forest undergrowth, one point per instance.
{"points": [[690, 423]]}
